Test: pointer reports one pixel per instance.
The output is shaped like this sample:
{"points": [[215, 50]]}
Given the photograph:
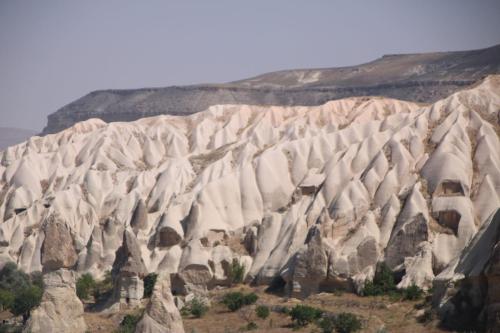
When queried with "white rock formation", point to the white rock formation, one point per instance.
{"points": [[61, 310], [161, 315], [380, 179], [467, 292]]}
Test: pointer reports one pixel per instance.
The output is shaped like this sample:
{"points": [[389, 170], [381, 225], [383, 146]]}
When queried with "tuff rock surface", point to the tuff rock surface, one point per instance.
{"points": [[347, 184], [60, 311], [161, 315], [467, 291], [128, 270]]}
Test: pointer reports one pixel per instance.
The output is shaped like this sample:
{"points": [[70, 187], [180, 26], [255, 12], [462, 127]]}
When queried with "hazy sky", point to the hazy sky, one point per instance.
{"points": [[53, 52]]}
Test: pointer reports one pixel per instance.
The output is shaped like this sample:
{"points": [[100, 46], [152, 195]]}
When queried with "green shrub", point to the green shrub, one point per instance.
{"points": [[250, 298], [326, 325], [412, 293], [262, 311], [129, 323], [103, 288], [37, 279], [371, 289], [347, 323], [6, 299], [236, 300], [25, 300], [84, 286], [13, 279], [19, 292], [251, 326], [394, 295], [236, 272], [303, 315], [383, 282], [149, 284], [196, 307], [283, 309]]}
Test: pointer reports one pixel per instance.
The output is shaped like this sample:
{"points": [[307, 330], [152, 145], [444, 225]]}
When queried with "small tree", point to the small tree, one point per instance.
{"points": [[37, 279], [236, 272], [326, 324], [347, 323], [13, 279], [104, 287], [6, 299], [129, 323], [25, 300], [149, 284], [233, 301], [196, 307], [84, 286], [303, 315], [262, 311], [236, 300], [250, 298], [383, 282], [412, 293]]}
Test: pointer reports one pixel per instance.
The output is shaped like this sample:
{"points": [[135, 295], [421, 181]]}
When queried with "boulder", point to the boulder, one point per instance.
{"points": [[161, 315], [308, 269], [195, 273], [57, 249], [61, 310]]}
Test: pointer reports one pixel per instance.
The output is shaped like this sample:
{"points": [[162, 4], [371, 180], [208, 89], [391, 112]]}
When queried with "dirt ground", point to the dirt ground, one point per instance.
{"points": [[376, 313]]}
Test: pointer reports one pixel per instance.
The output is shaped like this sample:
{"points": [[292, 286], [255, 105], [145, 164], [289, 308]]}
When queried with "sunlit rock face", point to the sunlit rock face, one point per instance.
{"points": [[348, 184]]}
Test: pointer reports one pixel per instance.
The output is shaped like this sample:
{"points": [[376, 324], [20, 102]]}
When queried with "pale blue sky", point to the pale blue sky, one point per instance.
{"points": [[53, 52]]}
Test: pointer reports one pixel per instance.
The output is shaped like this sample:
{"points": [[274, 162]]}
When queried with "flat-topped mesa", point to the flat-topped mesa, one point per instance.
{"points": [[307, 198], [425, 77]]}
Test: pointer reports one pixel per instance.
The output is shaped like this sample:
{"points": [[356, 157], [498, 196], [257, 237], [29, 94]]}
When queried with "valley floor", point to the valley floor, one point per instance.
{"points": [[375, 312]]}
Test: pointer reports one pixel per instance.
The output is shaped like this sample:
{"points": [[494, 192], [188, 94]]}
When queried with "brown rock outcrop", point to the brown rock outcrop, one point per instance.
{"points": [[57, 250]]}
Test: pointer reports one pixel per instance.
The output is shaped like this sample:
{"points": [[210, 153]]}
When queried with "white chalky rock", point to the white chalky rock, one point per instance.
{"points": [[380, 179]]}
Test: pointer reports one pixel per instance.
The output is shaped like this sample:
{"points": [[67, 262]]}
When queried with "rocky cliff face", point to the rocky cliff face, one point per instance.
{"points": [[466, 292], [424, 77], [310, 198]]}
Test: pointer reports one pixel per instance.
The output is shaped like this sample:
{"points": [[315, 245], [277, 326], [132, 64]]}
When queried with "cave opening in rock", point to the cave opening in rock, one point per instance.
{"points": [[450, 188], [168, 237], [277, 285], [18, 211], [398, 275], [449, 219]]}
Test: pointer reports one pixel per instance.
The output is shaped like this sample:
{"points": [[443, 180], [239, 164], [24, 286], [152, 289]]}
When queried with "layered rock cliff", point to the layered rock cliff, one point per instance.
{"points": [[425, 77]]}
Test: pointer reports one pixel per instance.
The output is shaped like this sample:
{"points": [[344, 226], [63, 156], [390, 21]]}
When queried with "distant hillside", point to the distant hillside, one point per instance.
{"points": [[11, 136], [425, 77]]}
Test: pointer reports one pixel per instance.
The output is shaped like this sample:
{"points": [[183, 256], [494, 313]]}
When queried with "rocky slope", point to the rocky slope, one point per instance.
{"points": [[307, 198], [425, 77]]}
